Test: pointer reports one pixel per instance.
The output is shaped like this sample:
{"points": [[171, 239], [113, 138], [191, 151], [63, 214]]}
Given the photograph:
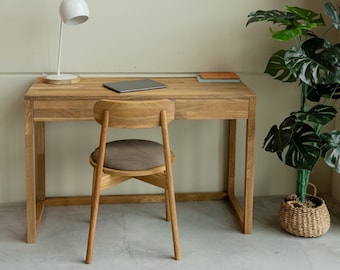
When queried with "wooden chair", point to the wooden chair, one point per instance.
{"points": [[117, 161]]}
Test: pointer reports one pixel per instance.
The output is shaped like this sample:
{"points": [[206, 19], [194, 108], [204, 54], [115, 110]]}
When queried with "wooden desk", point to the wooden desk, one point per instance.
{"points": [[46, 102]]}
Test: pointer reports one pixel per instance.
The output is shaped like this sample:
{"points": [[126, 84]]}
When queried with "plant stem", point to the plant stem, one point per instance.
{"points": [[329, 29], [303, 174], [302, 182], [318, 129], [304, 94]]}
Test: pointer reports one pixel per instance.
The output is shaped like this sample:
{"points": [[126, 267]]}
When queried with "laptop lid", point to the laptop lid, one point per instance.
{"points": [[134, 85]]}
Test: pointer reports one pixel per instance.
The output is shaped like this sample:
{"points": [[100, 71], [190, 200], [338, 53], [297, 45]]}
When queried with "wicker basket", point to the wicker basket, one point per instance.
{"points": [[303, 220]]}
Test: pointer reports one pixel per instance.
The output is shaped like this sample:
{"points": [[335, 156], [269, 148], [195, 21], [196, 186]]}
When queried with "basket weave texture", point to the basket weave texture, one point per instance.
{"points": [[301, 220]]}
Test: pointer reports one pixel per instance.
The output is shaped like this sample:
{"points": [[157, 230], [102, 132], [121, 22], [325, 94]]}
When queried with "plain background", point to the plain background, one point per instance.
{"points": [[143, 38]]}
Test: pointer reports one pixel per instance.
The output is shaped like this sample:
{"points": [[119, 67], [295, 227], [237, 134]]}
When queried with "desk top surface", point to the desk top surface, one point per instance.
{"points": [[179, 87]]}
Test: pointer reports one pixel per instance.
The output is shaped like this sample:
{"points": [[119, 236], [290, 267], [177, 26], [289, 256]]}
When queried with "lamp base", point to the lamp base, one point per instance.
{"points": [[62, 79]]}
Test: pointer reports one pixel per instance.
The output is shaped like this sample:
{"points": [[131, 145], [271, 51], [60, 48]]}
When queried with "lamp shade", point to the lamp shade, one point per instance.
{"points": [[74, 12]]}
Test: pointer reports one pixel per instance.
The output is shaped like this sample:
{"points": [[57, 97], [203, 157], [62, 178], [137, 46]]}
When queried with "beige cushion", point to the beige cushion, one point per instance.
{"points": [[132, 155]]}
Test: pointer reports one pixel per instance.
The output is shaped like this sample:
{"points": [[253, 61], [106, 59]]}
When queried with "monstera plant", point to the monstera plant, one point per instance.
{"points": [[314, 63]]}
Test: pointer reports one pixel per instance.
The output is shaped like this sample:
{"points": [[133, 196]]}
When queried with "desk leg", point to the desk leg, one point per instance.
{"points": [[30, 173], [231, 173], [35, 191], [40, 167], [249, 169], [231, 157], [40, 144], [245, 215]]}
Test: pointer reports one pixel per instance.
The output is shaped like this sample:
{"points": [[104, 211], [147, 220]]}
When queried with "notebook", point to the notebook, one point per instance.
{"points": [[134, 85]]}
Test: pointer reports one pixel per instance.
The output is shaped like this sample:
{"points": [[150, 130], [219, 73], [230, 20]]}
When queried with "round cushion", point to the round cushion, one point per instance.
{"points": [[132, 155]]}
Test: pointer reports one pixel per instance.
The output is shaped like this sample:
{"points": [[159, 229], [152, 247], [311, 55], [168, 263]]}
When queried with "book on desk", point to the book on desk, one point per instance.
{"points": [[218, 77]]}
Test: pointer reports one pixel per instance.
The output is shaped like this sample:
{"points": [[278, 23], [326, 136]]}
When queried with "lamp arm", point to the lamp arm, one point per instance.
{"points": [[60, 45]]}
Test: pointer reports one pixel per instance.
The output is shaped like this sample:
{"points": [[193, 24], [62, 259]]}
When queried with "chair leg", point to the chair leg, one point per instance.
{"points": [[93, 221], [167, 206], [93, 181], [173, 216]]}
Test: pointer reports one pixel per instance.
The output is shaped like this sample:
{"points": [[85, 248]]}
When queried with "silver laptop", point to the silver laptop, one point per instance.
{"points": [[134, 85]]}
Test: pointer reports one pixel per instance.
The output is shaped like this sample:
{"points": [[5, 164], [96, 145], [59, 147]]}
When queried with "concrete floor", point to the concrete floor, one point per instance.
{"points": [[135, 236]]}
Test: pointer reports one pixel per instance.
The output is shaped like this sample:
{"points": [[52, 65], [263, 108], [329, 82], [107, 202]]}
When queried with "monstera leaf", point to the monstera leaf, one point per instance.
{"points": [[330, 150], [279, 137], [316, 62], [295, 143], [295, 22], [333, 14], [319, 114], [304, 147], [276, 67], [318, 91]]}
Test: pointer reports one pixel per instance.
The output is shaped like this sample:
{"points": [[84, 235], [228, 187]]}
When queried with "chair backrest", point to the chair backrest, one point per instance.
{"points": [[133, 113]]}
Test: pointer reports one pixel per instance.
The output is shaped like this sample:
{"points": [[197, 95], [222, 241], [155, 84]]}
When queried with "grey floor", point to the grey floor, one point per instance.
{"points": [[135, 236]]}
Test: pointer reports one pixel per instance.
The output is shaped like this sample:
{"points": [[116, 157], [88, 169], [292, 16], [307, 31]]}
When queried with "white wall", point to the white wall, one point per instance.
{"points": [[139, 37]]}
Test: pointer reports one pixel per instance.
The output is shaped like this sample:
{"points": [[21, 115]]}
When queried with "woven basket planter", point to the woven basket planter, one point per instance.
{"points": [[311, 219]]}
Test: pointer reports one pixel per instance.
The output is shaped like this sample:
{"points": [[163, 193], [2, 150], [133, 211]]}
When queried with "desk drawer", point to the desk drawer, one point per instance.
{"points": [[212, 109], [63, 110], [67, 110]]}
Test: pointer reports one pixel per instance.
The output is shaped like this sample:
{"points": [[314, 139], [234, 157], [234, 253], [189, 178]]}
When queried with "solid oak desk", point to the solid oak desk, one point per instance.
{"points": [[193, 100]]}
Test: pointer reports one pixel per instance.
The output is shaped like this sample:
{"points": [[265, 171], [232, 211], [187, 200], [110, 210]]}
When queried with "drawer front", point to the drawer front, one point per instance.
{"points": [[63, 110], [68, 110], [212, 109]]}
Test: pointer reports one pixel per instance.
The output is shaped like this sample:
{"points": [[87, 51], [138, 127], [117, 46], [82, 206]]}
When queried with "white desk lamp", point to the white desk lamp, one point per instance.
{"points": [[72, 12]]}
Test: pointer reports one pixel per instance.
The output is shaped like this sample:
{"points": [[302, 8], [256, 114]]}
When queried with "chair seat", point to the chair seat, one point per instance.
{"points": [[132, 155]]}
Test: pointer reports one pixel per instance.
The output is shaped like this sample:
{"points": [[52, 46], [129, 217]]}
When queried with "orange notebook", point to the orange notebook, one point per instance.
{"points": [[219, 75]]}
